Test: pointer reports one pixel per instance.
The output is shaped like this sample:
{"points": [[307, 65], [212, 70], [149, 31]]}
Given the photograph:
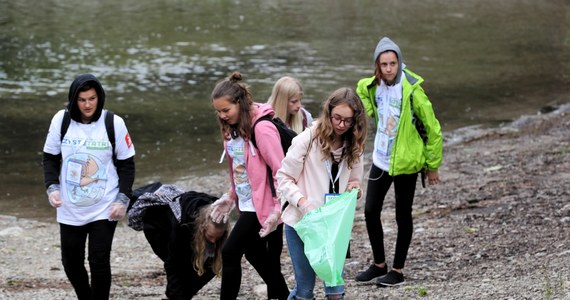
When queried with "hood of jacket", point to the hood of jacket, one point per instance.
{"points": [[190, 204], [260, 110], [386, 44], [76, 85]]}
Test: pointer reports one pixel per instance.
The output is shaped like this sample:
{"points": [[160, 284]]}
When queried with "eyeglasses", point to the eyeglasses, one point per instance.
{"points": [[336, 119]]}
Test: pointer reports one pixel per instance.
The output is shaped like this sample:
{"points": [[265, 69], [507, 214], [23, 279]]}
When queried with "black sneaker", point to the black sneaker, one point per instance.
{"points": [[373, 272], [393, 278]]}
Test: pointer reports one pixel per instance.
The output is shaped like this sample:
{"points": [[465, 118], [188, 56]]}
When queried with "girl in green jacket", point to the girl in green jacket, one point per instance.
{"points": [[396, 101]]}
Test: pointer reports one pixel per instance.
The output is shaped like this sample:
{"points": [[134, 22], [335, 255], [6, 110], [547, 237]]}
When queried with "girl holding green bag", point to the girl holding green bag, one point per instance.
{"points": [[322, 163]]}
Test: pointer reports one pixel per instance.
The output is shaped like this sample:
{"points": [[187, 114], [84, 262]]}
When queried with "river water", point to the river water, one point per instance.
{"points": [[484, 61]]}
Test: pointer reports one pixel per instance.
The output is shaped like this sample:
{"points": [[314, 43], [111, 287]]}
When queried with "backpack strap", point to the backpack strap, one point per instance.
{"points": [[109, 126], [252, 137], [271, 186], [269, 172], [421, 131], [64, 124]]}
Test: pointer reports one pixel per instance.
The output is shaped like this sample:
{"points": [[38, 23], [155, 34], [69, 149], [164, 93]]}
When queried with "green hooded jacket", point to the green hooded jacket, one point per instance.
{"points": [[410, 154]]}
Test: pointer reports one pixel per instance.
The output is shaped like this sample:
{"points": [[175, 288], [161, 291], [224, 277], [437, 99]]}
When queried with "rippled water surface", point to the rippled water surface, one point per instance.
{"points": [[484, 62]]}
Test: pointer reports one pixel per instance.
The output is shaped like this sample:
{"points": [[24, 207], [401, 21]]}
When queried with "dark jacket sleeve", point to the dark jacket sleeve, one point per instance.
{"points": [[126, 172], [52, 167]]}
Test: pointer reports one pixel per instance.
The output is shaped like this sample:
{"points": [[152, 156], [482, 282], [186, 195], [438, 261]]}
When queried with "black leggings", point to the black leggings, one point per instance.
{"points": [[73, 240], [404, 187], [244, 240]]}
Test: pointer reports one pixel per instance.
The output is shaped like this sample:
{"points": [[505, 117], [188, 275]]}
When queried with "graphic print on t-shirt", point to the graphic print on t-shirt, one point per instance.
{"points": [[241, 180], [389, 116], [85, 178]]}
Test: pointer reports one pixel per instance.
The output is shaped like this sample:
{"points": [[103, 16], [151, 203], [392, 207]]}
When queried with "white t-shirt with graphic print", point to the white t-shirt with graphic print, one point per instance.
{"points": [[389, 103], [88, 179], [241, 180]]}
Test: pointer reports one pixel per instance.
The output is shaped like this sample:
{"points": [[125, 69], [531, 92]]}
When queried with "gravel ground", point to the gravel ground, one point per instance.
{"points": [[498, 227]]}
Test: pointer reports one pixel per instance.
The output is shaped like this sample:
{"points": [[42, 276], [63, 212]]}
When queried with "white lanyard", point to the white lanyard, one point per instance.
{"points": [[329, 171]]}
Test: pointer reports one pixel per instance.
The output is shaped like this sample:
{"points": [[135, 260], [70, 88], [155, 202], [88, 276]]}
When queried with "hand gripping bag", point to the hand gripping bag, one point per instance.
{"points": [[325, 232]]}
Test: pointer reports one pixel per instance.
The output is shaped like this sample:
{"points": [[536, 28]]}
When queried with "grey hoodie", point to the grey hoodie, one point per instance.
{"points": [[386, 44]]}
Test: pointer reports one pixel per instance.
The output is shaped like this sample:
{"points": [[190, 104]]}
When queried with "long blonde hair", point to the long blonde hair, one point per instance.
{"points": [[200, 244], [355, 136], [284, 89], [238, 93]]}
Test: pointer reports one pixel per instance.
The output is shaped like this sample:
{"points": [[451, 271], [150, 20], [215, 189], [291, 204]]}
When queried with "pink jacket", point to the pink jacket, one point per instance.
{"points": [[304, 174], [269, 153]]}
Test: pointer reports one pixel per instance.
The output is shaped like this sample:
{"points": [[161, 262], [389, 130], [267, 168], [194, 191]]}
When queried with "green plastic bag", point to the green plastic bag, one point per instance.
{"points": [[325, 232]]}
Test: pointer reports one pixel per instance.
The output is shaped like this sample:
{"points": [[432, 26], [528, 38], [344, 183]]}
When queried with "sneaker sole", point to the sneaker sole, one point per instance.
{"points": [[369, 282], [390, 284]]}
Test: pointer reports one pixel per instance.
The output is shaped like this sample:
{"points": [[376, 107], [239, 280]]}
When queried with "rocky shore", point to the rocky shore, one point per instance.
{"points": [[498, 227]]}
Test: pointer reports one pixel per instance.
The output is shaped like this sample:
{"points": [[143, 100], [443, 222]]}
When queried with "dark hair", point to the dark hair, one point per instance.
{"points": [[237, 93], [87, 86]]}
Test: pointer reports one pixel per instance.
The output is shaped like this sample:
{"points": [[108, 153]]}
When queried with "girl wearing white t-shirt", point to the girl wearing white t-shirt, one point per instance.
{"points": [[88, 184]]}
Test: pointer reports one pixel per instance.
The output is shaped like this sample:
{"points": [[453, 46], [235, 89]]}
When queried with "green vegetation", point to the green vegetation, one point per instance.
{"points": [[470, 229], [554, 290], [422, 292]]}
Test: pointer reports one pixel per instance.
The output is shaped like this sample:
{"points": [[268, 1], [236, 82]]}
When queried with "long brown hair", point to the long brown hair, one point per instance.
{"points": [[237, 93], [355, 136], [200, 244], [377, 71]]}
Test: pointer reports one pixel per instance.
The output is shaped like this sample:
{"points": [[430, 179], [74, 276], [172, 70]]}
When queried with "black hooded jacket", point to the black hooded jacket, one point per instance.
{"points": [[52, 163], [74, 91]]}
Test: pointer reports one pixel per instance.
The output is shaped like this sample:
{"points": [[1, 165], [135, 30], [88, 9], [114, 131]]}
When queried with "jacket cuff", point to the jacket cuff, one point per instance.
{"points": [[297, 196]]}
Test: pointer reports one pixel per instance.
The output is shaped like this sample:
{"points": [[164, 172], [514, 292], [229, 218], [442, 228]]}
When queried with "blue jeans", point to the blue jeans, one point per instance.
{"points": [[304, 274]]}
